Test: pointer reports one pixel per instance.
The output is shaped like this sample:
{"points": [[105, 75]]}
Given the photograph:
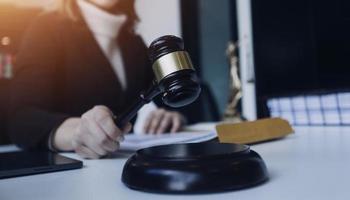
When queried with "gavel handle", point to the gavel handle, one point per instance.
{"points": [[143, 99]]}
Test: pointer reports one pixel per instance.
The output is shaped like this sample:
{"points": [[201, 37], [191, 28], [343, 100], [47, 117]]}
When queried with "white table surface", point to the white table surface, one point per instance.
{"points": [[314, 163]]}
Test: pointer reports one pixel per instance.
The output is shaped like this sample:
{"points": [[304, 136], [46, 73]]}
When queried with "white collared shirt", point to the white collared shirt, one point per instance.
{"points": [[105, 28]]}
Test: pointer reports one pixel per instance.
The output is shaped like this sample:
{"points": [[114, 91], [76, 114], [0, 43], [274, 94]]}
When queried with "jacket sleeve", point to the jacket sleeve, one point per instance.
{"points": [[34, 89]]}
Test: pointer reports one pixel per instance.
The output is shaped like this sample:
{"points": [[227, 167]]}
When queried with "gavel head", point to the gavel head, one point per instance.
{"points": [[174, 71]]}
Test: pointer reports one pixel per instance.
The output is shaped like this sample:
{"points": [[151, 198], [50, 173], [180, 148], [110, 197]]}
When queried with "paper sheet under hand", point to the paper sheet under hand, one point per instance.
{"points": [[134, 142]]}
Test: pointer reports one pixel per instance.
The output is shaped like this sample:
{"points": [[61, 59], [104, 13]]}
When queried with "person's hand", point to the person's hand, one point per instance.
{"points": [[95, 134], [161, 120]]}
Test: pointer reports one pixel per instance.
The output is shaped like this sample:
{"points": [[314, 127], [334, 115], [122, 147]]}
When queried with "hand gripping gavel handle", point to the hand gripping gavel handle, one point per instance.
{"points": [[144, 98]]}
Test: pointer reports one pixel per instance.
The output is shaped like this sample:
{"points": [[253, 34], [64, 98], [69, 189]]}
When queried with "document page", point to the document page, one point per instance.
{"points": [[134, 142]]}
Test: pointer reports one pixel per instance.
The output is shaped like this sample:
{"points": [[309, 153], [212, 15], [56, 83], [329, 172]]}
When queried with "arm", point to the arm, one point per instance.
{"points": [[34, 98], [35, 101]]}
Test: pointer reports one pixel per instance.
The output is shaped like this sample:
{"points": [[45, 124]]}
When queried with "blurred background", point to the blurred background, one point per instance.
{"points": [[291, 56]]}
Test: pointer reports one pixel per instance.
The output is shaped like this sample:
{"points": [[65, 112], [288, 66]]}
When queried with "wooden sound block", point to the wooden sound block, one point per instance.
{"points": [[254, 131], [194, 168]]}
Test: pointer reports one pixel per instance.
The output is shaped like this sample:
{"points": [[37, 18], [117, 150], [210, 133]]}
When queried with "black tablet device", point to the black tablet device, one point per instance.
{"points": [[22, 163]]}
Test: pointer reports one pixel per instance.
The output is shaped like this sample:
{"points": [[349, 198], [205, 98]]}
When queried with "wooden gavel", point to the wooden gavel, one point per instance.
{"points": [[175, 77]]}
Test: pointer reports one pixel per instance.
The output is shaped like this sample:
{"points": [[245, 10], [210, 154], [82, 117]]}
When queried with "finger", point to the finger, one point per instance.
{"points": [[111, 146], [156, 121], [103, 108], [104, 131], [107, 144], [109, 127], [95, 137], [147, 123], [94, 145], [165, 123], [104, 118], [127, 128], [85, 152], [176, 125]]}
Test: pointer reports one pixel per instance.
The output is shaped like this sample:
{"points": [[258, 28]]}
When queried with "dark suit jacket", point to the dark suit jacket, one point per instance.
{"points": [[61, 72]]}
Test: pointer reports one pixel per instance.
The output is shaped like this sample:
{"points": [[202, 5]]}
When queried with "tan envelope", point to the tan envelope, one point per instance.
{"points": [[254, 131]]}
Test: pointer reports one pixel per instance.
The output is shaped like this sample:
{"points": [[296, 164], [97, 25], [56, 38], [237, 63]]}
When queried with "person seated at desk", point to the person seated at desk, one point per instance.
{"points": [[79, 64]]}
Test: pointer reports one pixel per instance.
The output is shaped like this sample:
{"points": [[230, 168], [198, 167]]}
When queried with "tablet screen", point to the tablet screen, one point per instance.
{"points": [[26, 163]]}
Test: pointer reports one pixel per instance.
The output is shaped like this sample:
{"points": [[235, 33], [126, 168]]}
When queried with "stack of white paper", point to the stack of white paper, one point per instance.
{"points": [[134, 142]]}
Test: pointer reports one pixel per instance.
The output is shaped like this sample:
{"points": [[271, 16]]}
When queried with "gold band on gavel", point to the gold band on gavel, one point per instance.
{"points": [[170, 63]]}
